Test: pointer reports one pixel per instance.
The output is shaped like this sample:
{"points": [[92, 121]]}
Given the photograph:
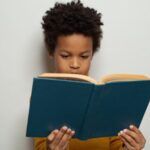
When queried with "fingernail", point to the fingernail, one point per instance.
{"points": [[56, 131], [64, 127], [51, 137], [73, 132], [131, 126], [125, 130], [68, 130], [121, 132]]}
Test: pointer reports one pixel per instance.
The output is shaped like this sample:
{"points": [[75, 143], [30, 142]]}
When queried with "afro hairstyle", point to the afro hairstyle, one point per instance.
{"points": [[70, 18]]}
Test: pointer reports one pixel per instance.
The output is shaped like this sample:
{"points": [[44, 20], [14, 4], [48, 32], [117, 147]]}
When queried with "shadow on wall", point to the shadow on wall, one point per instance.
{"points": [[42, 63], [48, 63], [21, 142], [29, 144], [37, 63]]}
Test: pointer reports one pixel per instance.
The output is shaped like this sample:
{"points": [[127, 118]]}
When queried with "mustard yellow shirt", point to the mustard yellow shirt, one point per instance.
{"points": [[107, 143]]}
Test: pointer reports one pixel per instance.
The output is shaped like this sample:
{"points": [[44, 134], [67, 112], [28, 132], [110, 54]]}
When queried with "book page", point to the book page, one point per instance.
{"points": [[69, 76], [123, 77]]}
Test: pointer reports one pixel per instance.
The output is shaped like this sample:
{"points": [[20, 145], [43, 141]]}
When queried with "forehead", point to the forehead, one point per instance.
{"points": [[75, 43]]}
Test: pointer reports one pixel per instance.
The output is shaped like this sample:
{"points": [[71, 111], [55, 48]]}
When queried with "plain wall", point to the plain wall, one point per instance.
{"points": [[125, 49]]}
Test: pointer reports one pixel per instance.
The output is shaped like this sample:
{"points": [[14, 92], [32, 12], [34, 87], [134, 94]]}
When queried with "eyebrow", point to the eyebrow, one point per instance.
{"points": [[63, 50]]}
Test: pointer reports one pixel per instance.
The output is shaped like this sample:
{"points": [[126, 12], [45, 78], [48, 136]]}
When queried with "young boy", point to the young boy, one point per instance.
{"points": [[72, 35]]}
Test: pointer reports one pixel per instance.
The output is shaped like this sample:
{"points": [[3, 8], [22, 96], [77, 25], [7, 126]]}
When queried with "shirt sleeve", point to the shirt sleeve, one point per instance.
{"points": [[41, 144], [116, 143], [102, 143]]}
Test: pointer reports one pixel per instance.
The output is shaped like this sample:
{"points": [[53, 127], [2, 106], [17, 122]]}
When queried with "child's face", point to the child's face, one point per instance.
{"points": [[73, 54]]}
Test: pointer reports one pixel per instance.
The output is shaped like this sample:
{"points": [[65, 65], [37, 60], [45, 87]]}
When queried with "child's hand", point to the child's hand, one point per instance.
{"points": [[59, 139], [132, 138]]}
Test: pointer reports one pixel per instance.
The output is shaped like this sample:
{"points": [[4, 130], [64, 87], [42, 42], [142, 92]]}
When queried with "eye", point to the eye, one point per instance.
{"points": [[64, 56], [84, 56]]}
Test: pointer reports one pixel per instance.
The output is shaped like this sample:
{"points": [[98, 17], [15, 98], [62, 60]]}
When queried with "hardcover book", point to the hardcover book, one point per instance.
{"points": [[93, 109]]}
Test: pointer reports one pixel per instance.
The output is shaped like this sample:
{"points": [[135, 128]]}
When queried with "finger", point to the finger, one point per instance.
{"points": [[135, 129], [66, 137], [67, 144], [127, 145], [133, 134], [52, 135], [142, 138], [59, 136], [128, 139]]}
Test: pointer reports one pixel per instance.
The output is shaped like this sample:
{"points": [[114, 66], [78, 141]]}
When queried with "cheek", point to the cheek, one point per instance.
{"points": [[60, 65], [86, 67], [62, 68]]}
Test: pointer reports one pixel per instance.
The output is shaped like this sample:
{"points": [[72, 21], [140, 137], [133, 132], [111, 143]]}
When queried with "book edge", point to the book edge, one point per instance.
{"points": [[105, 79], [122, 77], [68, 75]]}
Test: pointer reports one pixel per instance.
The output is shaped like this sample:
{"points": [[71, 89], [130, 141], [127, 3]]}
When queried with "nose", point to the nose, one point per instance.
{"points": [[74, 64]]}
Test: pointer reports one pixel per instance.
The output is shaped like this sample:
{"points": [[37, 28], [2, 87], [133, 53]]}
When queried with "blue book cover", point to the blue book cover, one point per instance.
{"points": [[89, 109]]}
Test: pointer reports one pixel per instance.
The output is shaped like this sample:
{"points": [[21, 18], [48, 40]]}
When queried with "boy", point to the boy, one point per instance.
{"points": [[72, 35]]}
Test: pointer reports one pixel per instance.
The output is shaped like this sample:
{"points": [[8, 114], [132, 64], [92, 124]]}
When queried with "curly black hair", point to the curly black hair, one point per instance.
{"points": [[69, 18]]}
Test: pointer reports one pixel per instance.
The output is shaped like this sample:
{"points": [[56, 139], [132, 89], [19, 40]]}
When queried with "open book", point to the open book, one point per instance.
{"points": [[93, 109], [103, 80]]}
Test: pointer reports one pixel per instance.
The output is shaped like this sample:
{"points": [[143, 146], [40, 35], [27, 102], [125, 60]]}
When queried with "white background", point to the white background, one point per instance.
{"points": [[125, 49]]}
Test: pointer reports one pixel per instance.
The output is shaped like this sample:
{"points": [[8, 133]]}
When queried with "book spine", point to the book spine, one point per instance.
{"points": [[86, 113]]}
